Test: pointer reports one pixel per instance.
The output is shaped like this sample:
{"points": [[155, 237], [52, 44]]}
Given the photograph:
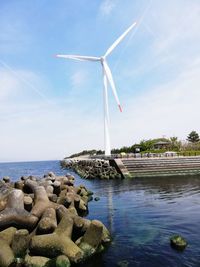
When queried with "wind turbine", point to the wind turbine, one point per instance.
{"points": [[107, 79]]}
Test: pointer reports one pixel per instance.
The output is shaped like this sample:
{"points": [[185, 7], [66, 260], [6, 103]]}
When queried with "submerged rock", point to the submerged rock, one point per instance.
{"points": [[62, 261], [123, 263], [178, 242]]}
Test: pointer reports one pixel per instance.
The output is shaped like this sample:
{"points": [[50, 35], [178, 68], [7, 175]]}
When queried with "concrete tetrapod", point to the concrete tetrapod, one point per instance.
{"points": [[6, 253], [28, 203], [39, 261], [5, 190], [36, 261], [58, 243], [48, 222], [20, 243], [91, 240], [81, 225], [41, 199], [14, 214], [37, 205]]}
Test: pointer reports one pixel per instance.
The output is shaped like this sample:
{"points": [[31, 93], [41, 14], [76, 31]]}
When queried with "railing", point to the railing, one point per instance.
{"points": [[129, 155], [147, 155]]}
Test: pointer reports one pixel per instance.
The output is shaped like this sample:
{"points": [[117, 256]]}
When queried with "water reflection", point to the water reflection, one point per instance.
{"points": [[110, 208], [165, 187]]}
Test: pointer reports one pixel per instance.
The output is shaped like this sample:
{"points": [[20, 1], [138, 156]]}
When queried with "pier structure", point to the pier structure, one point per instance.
{"points": [[157, 167]]}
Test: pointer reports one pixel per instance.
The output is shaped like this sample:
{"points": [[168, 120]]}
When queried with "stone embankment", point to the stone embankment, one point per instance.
{"points": [[41, 223], [91, 168]]}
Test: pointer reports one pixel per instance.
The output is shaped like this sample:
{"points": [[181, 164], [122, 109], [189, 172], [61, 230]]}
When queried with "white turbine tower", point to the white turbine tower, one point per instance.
{"points": [[107, 79]]}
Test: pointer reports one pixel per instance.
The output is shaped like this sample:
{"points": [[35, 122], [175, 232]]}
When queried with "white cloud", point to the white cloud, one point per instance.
{"points": [[107, 7]]}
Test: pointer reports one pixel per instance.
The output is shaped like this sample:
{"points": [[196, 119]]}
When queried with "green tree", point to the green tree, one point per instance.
{"points": [[146, 144], [175, 143], [193, 137]]}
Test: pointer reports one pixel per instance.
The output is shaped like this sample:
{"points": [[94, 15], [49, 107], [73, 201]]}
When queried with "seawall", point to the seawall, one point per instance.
{"points": [[134, 167], [154, 167], [92, 168]]}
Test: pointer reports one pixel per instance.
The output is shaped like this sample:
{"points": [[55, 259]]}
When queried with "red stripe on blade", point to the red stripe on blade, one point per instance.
{"points": [[120, 108]]}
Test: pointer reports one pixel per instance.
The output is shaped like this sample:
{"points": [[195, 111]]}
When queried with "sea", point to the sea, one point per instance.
{"points": [[141, 214]]}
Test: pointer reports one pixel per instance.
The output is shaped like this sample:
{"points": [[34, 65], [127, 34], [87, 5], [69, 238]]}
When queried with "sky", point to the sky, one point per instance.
{"points": [[52, 107]]}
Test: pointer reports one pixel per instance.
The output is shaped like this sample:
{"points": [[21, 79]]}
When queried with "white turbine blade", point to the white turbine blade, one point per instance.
{"points": [[81, 58], [111, 82], [110, 49]]}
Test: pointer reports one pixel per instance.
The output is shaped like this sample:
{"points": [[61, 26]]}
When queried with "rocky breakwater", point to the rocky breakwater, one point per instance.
{"points": [[91, 168], [41, 223]]}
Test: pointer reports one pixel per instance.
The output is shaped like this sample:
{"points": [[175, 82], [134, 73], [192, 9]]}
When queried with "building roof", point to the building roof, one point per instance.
{"points": [[162, 143]]}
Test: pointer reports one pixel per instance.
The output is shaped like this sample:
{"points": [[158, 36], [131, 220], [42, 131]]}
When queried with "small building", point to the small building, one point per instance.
{"points": [[162, 145], [137, 148]]}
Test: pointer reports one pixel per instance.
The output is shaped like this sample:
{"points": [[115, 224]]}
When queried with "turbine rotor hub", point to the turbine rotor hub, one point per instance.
{"points": [[102, 59]]}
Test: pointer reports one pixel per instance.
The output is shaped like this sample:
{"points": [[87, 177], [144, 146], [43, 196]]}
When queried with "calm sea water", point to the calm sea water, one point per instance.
{"points": [[141, 214]]}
